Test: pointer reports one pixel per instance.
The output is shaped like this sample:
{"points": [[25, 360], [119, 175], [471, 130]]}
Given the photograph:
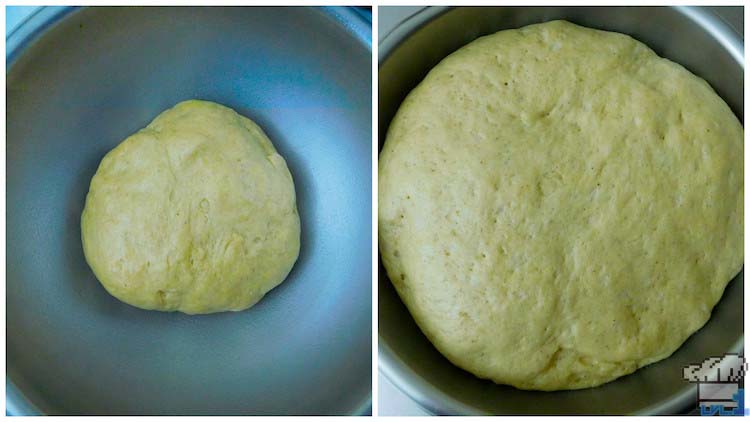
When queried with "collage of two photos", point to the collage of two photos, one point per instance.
{"points": [[375, 210]]}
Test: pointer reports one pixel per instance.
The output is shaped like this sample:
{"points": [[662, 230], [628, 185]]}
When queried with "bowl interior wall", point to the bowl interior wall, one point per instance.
{"points": [[97, 76]]}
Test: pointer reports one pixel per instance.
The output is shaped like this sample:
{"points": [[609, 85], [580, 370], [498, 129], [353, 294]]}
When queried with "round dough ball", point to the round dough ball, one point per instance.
{"points": [[194, 213], [559, 206]]}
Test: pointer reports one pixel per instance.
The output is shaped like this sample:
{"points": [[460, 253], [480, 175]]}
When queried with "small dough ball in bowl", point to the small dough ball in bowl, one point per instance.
{"points": [[559, 206], [194, 213]]}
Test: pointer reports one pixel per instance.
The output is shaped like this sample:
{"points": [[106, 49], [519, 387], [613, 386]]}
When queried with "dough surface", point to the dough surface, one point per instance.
{"points": [[194, 213], [559, 206]]}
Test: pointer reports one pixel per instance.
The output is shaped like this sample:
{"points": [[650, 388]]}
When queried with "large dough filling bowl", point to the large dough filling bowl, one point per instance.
{"points": [[692, 37], [81, 80]]}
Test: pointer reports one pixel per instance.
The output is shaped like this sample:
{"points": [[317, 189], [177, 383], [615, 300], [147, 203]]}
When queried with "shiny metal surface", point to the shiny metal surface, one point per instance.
{"points": [[78, 82], [693, 37]]}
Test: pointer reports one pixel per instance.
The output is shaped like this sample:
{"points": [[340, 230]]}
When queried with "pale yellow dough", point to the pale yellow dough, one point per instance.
{"points": [[559, 206], [194, 213]]}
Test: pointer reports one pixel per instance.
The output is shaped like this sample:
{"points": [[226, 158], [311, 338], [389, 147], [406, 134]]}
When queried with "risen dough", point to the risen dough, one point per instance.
{"points": [[195, 213], [559, 206]]}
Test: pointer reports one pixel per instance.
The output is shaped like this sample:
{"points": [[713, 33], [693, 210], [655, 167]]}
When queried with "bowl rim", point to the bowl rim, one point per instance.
{"points": [[30, 28], [41, 19], [431, 399]]}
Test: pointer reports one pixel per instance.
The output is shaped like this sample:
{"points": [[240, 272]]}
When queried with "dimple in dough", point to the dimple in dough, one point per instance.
{"points": [[559, 206], [194, 213]]}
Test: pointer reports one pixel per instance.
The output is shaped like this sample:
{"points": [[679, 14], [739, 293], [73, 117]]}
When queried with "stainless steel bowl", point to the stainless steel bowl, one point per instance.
{"points": [[78, 82], [693, 37]]}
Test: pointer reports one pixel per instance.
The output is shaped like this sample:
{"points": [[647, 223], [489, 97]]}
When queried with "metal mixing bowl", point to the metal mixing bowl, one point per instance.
{"points": [[78, 82], [693, 37]]}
